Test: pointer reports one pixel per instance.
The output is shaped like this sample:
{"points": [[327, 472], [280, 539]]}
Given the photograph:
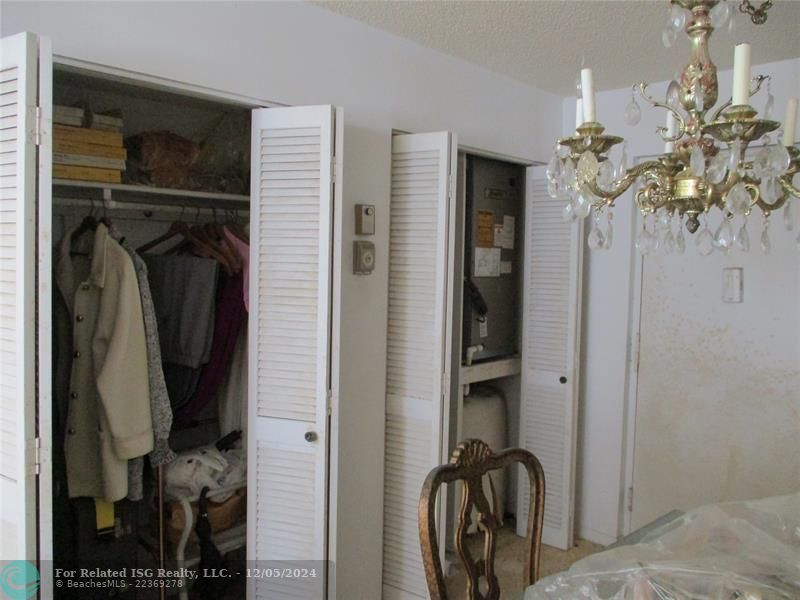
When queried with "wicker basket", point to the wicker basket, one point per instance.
{"points": [[221, 515]]}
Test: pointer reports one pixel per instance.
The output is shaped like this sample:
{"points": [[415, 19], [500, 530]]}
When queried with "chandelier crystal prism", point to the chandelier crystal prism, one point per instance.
{"points": [[714, 157]]}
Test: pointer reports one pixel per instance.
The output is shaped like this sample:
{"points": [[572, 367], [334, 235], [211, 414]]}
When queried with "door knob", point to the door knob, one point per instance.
{"points": [[310, 436], [562, 379]]}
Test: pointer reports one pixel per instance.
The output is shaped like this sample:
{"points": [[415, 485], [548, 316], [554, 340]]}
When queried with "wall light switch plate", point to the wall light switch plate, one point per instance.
{"points": [[363, 257], [365, 219], [732, 285]]}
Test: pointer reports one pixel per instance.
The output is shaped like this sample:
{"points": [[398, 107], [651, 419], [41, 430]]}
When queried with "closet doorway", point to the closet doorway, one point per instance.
{"points": [[206, 189], [482, 336]]}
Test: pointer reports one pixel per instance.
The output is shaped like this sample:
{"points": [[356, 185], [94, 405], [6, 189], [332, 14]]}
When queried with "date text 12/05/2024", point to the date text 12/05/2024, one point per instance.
{"points": [[184, 573]]}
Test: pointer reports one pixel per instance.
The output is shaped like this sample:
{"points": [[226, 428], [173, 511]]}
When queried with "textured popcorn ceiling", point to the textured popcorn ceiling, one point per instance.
{"points": [[543, 42]]}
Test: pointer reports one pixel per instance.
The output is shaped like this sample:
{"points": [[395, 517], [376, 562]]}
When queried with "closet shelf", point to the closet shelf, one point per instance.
{"points": [[491, 369], [124, 192]]}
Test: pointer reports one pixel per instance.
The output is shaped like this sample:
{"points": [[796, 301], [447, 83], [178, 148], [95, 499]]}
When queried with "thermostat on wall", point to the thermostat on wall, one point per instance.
{"points": [[365, 219], [363, 257]]}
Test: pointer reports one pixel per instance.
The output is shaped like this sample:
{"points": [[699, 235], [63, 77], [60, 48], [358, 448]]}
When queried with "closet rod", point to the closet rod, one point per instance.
{"points": [[190, 209], [145, 194]]}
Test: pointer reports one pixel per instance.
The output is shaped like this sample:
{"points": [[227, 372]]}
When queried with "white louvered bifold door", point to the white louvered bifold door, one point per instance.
{"points": [[417, 379], [550, 347], [290, 323], [20, 135]]}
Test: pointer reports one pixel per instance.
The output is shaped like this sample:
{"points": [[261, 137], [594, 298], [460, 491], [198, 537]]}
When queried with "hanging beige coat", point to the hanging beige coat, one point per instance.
{"points": [[108, 419]]}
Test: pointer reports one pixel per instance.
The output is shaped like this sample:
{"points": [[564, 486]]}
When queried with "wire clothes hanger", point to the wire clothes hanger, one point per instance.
{"points": [[193, 240], [89, 223], [237, 229]]}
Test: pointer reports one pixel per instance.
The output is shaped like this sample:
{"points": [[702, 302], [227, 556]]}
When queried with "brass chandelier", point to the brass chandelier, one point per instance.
{"points": [[720, 157]]}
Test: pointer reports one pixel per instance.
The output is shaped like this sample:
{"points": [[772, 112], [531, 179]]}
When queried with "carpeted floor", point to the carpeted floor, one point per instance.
{"points": [[509, 562]]}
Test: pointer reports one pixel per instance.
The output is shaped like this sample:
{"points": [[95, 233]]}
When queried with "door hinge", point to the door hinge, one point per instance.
{"points": [[329, 401], [37, 455], [333, 168], [630, 499], [35, 130]]}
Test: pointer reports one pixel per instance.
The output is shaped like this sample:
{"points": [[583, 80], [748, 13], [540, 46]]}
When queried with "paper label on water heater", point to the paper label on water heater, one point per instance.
{"points": [[487, 262], [485, 233], [504, 233], [483, 328]]}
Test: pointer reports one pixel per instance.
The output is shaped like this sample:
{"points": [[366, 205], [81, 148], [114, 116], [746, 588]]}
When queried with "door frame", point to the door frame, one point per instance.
{"points": [[45, 482], [456, 386], [631, 388], [44, 286], [631, 392], [138, 78]]}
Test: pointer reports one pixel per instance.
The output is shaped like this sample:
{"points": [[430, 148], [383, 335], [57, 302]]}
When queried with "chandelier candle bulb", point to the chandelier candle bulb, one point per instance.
{"points": [[790, 122], [672, 129], [587, 93], [578, 113], [741, 75]]}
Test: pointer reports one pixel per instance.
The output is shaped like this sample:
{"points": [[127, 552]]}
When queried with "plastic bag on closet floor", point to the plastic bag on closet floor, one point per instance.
{"points": [[729, 551], [203, 467]]}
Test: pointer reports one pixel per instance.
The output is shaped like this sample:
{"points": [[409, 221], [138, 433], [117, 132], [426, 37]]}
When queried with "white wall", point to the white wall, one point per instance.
{"points": [[687, 285], [300, 54]]}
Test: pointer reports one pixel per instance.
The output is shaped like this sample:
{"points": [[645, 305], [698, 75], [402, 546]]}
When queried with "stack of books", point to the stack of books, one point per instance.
{"points": [[87, 153]]}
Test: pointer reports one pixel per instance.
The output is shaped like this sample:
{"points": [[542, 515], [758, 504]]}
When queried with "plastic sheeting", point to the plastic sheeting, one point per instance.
{"points": [[730, 551]]}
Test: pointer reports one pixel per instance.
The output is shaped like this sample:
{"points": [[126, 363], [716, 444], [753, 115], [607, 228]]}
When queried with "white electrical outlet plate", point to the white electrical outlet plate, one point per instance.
{"points": [[732, 285]]}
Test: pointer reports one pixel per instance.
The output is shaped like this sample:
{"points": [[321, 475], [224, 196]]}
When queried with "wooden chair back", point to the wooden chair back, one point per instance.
{"points": [[470, 462]]}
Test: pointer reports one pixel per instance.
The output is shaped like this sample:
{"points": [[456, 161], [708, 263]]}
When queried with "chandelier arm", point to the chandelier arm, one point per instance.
{"points": [[716, 192], [755, 195], [642, 87], [721, 109], [768, 208], [794, 168], [643, 198], [786, 184], [758, 79], [651, 167]]}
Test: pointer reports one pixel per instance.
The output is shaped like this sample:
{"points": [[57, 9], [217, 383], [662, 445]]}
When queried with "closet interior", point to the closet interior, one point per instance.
{"points": [[150, 190], [487, 312]]}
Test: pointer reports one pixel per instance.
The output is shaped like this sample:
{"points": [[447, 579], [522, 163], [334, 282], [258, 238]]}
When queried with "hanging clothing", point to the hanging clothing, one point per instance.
{"points": [[160, 409], [183, 290], [228, 321], [64, 536], [244, 253], [232, 396], [181, 383], [108, 419]]}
